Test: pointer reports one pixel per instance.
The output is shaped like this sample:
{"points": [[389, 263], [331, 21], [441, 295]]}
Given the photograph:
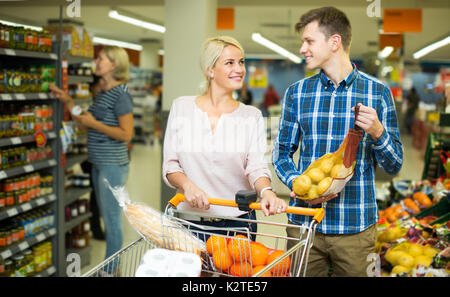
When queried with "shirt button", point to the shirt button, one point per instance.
{"points": [[331, 137]]}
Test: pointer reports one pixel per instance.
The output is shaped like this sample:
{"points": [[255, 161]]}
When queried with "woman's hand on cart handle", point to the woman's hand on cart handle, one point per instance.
{"points": [[316, 213], [271, 204], [195, 197], [317, 200]]}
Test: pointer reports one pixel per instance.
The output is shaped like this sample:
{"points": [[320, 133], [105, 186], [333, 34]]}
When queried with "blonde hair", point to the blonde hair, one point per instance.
{"points": [[211, 51], [119, 57]]}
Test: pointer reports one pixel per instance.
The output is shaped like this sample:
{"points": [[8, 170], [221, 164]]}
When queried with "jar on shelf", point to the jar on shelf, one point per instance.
{"points": [[9, 268], [20, 265], [30, 262]]}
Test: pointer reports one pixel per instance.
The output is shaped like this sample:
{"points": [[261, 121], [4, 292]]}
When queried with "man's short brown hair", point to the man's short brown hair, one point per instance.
{"points": [[331, 21]]}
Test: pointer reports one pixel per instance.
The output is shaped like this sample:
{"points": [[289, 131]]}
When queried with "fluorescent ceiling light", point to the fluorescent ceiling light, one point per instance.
{"points": [[429, 48], [133, 46], [21, 25], [150, 26], [275, 47], [385, 52]]}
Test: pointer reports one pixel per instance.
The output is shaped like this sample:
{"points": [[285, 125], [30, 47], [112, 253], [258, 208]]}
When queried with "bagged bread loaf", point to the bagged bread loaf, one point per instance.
{"points": [[329, 174], [156, 227]]}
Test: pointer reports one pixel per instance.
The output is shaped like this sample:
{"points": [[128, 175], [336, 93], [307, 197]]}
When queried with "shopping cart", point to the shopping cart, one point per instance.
{"points": [[293, 262]]}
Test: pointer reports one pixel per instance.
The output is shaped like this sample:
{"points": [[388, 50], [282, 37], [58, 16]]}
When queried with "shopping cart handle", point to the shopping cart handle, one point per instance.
{"points": [[316, 213]]}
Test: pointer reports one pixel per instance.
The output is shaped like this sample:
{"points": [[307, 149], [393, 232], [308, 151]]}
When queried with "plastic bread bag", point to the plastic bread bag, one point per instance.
{"points": [[156, 227], [329, 174]]}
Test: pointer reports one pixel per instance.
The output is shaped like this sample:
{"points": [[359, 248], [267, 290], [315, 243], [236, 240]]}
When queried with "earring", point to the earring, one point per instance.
{"points": [[212, 75]]}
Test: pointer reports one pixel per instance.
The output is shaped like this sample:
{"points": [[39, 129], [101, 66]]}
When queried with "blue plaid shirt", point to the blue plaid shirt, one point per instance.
{"points": [[319, 116]]}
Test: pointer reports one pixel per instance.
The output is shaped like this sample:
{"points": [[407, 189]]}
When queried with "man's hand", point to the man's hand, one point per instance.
{"points": [[317, 200], [368, 121]]}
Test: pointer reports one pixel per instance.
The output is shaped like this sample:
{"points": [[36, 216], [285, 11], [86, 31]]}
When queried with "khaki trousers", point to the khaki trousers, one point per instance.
{"points": [[346, 253]]}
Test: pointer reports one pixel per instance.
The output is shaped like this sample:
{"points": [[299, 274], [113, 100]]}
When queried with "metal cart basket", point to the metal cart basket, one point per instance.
{"points": [[291, 263]]}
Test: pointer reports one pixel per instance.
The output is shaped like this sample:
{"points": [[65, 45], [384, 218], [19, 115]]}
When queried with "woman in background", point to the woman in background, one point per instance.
{"points": [[109, 121]]}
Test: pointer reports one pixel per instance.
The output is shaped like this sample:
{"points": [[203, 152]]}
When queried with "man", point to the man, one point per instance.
{"points": [[318, 112]]}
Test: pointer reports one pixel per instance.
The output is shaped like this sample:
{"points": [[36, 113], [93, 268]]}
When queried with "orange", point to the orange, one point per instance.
{"points": [[239, 248], [222, 260], [281, 268], [241, 269], [216, 244], [259, 253], [260, 267]]}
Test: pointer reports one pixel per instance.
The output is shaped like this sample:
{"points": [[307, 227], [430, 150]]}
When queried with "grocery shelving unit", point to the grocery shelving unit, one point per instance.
{"points": [[48, 165], [73, 194]]}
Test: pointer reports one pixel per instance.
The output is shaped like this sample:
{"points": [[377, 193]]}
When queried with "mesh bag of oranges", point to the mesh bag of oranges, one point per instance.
{"points": [[329, 174], [239, 256]]}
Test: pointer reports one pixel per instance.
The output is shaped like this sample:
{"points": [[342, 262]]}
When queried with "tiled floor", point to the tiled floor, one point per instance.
{"points": [[145, 178]]}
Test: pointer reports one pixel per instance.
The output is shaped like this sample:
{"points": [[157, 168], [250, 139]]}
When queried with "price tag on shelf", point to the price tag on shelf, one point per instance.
{"points": [[40, 201], [16, 140], [52, 232], [3, 174], [40, 237], [52, 162], [20, 97], [6, 97], [53, 56], [28, 168], [26, 207], [23, 246], [51, 134], [10, 52], [42, 96], [6, 254], [12, 212]]}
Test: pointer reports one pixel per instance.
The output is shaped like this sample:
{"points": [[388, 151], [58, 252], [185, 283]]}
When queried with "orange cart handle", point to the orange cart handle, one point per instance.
{"points": [[316, 213]]}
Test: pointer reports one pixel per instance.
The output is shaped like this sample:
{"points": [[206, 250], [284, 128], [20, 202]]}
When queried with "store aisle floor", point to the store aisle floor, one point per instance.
{"points": [[144, 185]]}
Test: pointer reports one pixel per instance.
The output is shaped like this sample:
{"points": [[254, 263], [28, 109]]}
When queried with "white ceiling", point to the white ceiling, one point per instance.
{"points": [[275, 19]]}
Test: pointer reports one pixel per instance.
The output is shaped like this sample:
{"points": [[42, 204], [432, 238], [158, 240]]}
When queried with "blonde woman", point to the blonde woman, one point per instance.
{"points": [[214, 145], [109, 121]]}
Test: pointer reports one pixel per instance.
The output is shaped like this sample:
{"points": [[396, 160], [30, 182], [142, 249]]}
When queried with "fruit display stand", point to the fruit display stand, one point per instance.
{"points": [[413, 234]]}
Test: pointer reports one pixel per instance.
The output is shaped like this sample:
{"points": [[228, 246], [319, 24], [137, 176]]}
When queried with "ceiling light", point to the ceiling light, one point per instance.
{"points": [[133, 46], [275, 47], [150, 26], [387, 50], [429, 48], [21, 25]]}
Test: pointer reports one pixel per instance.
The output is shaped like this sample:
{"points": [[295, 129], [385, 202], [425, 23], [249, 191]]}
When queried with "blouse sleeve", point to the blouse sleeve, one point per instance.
{"points": [[256, 159], [171, 162]]}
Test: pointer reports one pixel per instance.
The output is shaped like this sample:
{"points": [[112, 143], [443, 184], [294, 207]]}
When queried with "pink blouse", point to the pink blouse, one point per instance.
{"points": [[220, 163]]}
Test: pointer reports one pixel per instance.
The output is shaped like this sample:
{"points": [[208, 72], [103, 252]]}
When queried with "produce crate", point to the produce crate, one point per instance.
{"points": [[440, 210]]}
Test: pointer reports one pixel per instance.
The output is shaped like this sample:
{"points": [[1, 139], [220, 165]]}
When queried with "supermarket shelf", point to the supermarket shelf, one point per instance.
{"points": [[78, 60], [75, 159], [76, 221], [46, 272], [25, 96], [24, 139], [73, 79], [28, 54], [24, 207], [25, 244], [72, 194], [15, 171]]}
